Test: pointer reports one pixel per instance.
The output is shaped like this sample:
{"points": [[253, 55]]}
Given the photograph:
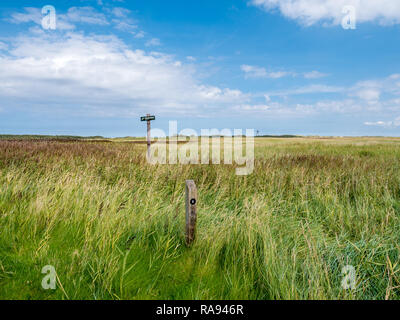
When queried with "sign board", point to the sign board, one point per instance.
{"points": [[148, 118]]}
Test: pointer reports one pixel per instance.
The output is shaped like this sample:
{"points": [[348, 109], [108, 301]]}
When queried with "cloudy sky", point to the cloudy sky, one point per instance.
{"points": [[277, 66]]}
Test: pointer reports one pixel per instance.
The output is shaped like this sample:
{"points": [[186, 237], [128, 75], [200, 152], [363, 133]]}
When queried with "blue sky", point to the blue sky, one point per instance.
{"points": [[277, 66]]}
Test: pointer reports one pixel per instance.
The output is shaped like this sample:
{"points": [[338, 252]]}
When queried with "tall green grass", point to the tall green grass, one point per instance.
{"points": [[113, 226]]}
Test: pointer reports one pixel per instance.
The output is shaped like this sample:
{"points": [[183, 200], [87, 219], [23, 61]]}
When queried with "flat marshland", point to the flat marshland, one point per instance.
{"points": [[113, 226]]}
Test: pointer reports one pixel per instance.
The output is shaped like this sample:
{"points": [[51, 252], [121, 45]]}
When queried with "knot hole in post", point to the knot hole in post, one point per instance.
{"points": [[191, 211]]}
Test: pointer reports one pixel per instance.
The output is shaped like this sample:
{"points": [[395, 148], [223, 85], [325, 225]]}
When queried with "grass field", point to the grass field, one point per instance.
{"points": [[113, 226]]}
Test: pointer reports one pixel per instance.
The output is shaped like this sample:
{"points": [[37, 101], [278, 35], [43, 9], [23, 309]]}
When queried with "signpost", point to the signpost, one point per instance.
{"points": [[148, 118]]}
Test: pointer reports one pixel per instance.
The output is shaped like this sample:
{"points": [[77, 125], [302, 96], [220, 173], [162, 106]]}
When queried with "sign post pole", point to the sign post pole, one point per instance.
{"points": [[148, 118], [148, 137]]}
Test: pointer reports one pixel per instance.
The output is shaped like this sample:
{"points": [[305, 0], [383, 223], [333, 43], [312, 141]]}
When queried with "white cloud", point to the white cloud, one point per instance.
{"points": [[3, 46], [348, 106], [394, 76], [67, 21], [259, 72], [311, 89], [386, 124], [123, 22], [309, 12], [86, 15], [279, 74], [254, 72], [100, 75], [154, 42], [249, 107], [140, 35], [372, 96], [314, 75], [305, 108], [322, 107], [29, 15], [125, 25], [370, 91], [369, 94], [120, 12], [118, 16], [378, 123], [276, 109]]}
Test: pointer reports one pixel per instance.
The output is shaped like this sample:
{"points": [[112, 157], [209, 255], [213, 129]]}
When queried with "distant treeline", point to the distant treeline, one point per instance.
{"points": [[281, 136], [28, 136], [97, 138], [244, 136], [48, 138]]}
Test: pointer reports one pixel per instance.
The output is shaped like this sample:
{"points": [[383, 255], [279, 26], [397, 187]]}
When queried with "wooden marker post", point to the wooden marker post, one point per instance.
{"points": [[191, 211], [148, 118], [148, 136]]}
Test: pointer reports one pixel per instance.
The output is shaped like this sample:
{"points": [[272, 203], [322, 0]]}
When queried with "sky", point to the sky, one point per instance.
{"points": [[305, 67]]}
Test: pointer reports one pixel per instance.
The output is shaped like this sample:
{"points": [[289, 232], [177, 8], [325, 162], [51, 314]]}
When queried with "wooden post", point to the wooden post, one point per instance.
{"points": [[148, 137], [191, 211], [148, 118]]}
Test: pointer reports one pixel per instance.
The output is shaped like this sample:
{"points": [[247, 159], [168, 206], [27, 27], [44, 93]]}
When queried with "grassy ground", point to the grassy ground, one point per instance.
{"points": [[112, 225]]}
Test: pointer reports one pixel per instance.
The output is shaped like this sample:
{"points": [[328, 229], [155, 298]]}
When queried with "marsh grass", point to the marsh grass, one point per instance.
{"points": [[112, 225]]}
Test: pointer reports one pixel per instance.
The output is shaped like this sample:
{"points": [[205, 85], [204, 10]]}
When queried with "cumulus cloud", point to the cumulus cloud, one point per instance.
{"points": [[118, 17], [3, 46], [154, 42], [67, 21], [254, 72], [101, 75], [86, 15], [120, 12], [371, 90], [125, 25], [364, 97], [140, 35], [310, 89], [309, 12], [368, 91], [278, 74], [387, 124], [249, 107], [277, 109], [369, 94], [29, 15], [123, 22], [259, 72], [314, 75]]}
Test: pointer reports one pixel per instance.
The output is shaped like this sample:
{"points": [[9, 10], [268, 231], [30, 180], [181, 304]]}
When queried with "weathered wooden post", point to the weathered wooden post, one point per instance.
{"points": [[148, 118], [191, 211], [148, 135]]}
